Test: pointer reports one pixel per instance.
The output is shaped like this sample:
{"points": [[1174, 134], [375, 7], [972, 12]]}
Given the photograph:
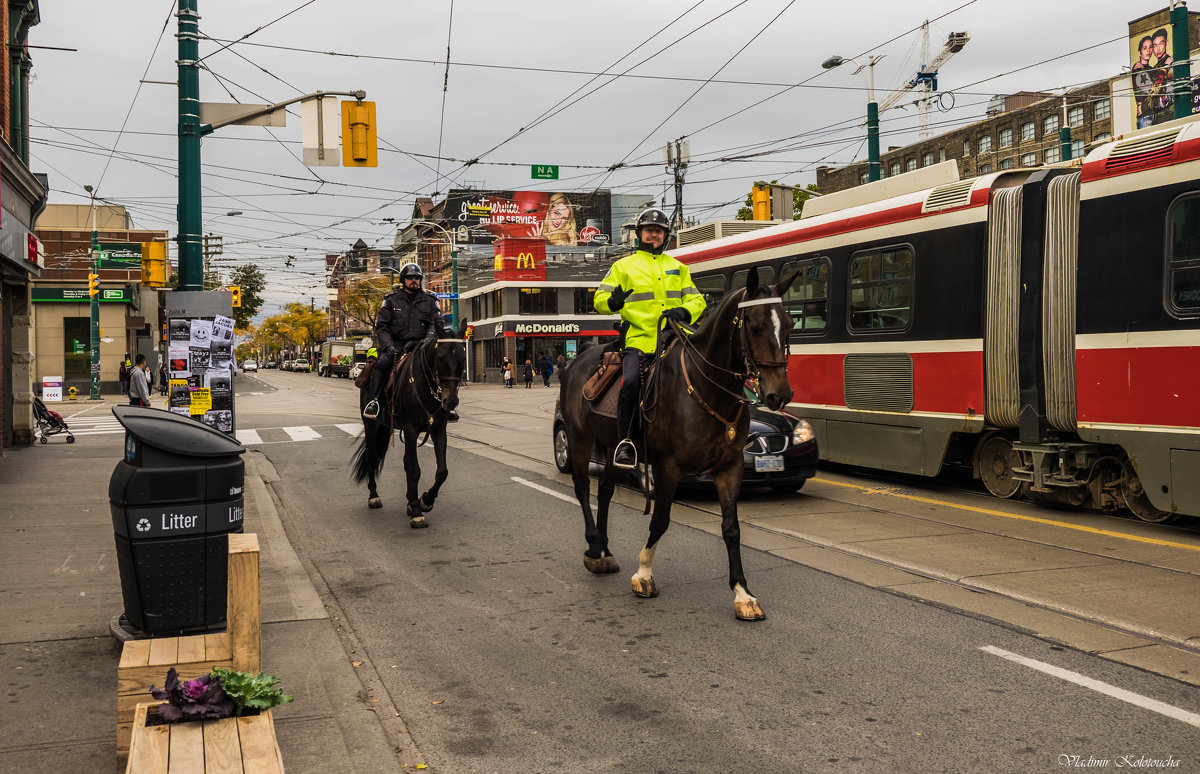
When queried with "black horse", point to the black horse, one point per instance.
{"points": [[417, 399], [695, 420]]}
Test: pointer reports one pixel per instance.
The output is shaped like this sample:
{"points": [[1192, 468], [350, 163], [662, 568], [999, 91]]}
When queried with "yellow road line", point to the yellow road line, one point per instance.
{"points": [[1034, 519]]}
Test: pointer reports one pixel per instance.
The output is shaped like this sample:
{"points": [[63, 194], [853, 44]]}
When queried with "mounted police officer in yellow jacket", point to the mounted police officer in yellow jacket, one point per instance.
{"points": [[643, 288]]}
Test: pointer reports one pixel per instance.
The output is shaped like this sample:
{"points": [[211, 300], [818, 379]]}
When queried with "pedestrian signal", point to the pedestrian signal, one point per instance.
{"points": [[236, 292], [358, 134], [93, 284]]}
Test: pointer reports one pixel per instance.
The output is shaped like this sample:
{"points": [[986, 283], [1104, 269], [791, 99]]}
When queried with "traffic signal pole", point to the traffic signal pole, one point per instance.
{"points": [[94, 365], [191, 263]]}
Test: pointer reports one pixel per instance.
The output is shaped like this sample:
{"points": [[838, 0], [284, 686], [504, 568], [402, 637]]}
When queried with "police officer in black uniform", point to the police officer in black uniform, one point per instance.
{"points": [[407, 317]]}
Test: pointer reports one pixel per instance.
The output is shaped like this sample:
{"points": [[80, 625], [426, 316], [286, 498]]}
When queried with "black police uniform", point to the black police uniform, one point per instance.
{"points": [[404, 320]]}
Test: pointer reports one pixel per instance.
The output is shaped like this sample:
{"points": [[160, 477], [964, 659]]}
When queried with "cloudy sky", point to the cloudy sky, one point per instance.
{"points": [[586, 86]]}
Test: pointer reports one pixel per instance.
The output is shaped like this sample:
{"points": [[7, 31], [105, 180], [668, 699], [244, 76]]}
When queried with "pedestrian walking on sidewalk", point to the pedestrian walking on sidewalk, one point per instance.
{"points": [[547, 369], [528, 374], [139, 383]]}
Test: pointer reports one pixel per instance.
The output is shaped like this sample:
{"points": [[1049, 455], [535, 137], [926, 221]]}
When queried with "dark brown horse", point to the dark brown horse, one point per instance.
{"points": [[416, 401], [696, 420]]}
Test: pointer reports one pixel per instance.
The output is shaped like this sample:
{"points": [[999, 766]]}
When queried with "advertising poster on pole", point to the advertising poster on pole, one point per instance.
{"points": [[200, 359]]}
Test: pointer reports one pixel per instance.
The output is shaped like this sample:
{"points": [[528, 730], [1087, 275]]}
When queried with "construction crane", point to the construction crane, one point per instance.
{"points": [[926, 78]]}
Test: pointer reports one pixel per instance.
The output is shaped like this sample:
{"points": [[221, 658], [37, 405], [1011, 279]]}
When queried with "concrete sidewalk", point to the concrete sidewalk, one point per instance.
{"points": [[59, 588]]}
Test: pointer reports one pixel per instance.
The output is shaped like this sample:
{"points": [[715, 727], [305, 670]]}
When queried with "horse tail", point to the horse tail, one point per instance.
{"points": [[368, 457]]}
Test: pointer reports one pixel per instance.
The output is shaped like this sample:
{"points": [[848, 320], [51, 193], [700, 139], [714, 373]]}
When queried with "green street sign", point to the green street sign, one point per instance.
{"points": [[544, 171], [121, 255]]}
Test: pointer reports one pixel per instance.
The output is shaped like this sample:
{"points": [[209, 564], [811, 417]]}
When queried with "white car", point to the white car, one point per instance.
{"points": [[357, 369], [300, 365], [249, 366]]}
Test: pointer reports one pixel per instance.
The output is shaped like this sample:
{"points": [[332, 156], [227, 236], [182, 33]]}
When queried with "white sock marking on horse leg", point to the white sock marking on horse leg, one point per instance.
{"points": [[741, 595], [645, 564]]}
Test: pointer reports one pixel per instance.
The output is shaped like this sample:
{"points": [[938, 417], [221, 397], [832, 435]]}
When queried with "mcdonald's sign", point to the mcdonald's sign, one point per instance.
{"points": [[520, 259]]}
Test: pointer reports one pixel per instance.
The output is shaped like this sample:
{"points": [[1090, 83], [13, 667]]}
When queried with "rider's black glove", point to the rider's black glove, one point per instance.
{"points": [[617, 299], [679, 314], [391, 352]]}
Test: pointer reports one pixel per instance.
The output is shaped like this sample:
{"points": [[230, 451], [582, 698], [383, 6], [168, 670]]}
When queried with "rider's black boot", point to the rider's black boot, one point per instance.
{"points": [[625, 455], [371, 410]]}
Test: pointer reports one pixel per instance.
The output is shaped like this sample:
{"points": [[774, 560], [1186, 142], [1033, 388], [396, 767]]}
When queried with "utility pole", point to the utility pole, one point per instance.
{"points": [[94, 383], [191, 267], [1064, 134], [677, 154]]}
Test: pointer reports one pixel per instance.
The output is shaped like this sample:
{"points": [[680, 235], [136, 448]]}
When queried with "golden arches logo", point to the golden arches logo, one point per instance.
{"points": [[526, 261]]}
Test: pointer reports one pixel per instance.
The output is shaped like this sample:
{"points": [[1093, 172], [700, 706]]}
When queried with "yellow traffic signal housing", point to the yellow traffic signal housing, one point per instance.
{"points": [[237, 294], [359, 147], [93, 284], [154, 264], [760, 202]]}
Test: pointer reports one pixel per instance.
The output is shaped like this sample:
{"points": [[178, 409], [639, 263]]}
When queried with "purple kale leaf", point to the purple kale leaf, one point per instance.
{"points": [[199, 699]]}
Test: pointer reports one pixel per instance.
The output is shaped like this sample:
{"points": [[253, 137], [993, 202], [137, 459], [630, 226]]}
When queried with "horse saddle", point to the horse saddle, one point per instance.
{"points": [[598, 389]]}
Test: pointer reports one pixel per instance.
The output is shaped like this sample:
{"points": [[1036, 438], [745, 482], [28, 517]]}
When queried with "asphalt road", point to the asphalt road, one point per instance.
{"points": [[501, 653]]}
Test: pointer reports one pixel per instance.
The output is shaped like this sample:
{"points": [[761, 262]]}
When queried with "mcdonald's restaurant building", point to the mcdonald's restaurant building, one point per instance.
{"points": [[525, 300]]}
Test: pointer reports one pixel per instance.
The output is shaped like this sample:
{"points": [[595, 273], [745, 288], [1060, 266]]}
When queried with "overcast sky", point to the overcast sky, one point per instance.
{"points": [[529, 65]]}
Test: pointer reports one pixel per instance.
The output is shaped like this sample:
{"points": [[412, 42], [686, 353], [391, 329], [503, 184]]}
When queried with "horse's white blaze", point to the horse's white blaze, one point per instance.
{"points": [[778, 328], [645, 564], [741, 595]]}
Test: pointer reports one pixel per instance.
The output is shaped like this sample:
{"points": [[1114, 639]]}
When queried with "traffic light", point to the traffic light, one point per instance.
{"points": [[93, 284], [237, 294], [358, 134], [760, 202]]}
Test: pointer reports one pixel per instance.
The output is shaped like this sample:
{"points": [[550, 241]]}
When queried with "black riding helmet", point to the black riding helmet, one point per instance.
{"points": [[411, 270], [653, 217]]}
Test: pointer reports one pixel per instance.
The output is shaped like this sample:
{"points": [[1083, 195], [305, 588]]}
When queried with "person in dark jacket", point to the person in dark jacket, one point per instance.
{"points": [[547, 369], [528, 374], [407, 318]]}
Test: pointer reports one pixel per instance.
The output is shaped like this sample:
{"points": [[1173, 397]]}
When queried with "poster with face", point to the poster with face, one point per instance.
{"points": [[220, 384], [180, 331], [201, 334], [222, 330], [221, 357], [1150, 62], [565, 219]]}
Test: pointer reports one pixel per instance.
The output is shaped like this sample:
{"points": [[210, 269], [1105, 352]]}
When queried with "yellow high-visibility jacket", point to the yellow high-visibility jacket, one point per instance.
{"points": [[659, 283]]}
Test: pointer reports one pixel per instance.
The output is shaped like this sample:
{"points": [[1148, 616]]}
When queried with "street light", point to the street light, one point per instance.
{"points": [[94, 364], [873, 168]]}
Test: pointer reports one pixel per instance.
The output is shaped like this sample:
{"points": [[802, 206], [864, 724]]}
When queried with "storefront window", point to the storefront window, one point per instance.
{"points": [[538, 301], [497, 305], [493, 352], [585, 300], [77, 336]]}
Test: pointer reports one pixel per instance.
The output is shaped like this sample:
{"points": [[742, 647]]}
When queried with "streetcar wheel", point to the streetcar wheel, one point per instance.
{"points": [[1138, 502], [997, 458]]}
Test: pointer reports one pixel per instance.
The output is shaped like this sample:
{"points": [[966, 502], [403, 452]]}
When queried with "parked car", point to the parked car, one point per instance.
{"points": [[357, 369], [780, 452], [300, 365], [270, 364], [249, 366]]}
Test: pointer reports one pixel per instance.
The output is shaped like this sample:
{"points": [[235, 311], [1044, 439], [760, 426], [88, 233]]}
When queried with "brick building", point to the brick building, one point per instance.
{"points": [[1021, 130], [23, 195]]}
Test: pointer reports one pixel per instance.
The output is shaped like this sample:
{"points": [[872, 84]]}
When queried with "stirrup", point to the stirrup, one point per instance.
{"points": [[625, 444], [371, 410]]}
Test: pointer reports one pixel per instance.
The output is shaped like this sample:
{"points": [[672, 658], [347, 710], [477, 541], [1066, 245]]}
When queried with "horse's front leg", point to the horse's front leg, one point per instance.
{"points": [[729, 486], [439, 478], [412, 474], [665, 482]]}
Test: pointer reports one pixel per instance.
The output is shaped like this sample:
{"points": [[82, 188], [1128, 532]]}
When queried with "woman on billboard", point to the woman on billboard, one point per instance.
{"points": [[559, 226]]}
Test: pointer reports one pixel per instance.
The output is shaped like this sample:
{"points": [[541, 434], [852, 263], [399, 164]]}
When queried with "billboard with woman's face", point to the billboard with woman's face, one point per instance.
{"points": [[559, 218]]}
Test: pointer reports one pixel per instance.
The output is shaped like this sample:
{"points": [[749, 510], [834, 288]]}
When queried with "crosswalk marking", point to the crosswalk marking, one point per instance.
{"points": [[248, 437], [302, 433], [351, 430]]}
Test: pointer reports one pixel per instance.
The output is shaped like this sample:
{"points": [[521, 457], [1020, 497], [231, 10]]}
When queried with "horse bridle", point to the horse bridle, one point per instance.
{"points": [[434, 382]]}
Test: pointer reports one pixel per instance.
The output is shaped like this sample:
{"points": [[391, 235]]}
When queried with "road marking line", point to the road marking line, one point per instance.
{"points": [[248, 437], [1033, 519], [351, 430], [93, 432], [565, 498], [1162, 708], [301, 433]]}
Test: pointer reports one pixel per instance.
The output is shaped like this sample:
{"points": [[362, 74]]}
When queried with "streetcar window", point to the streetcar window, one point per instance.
{"points": [[881, 289], [712, 287], [807, 300], [1183, 258], [765, 277]]}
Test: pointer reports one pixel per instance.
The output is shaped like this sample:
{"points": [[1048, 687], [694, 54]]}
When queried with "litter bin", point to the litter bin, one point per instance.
{"points": [[175, 498]]}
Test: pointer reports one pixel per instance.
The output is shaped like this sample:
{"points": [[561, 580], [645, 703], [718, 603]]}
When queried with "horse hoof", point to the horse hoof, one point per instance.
{"points": [[424, 505], [645, 587], [418, 522], [374, 502], [601, 566], [748, 610]]}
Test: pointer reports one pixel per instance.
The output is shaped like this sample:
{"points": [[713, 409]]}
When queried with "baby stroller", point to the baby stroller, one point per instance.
{"points": [[49, 422]]}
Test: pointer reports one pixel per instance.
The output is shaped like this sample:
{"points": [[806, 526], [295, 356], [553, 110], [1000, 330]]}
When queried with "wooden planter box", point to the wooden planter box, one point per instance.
{"points": [[231, 746]]}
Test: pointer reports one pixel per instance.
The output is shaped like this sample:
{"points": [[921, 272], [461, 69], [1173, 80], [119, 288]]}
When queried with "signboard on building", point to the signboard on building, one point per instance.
{"points": [[52, 388], [1151, 60], [80, 295], [120, 255], [520, 259], [556, 218]]}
